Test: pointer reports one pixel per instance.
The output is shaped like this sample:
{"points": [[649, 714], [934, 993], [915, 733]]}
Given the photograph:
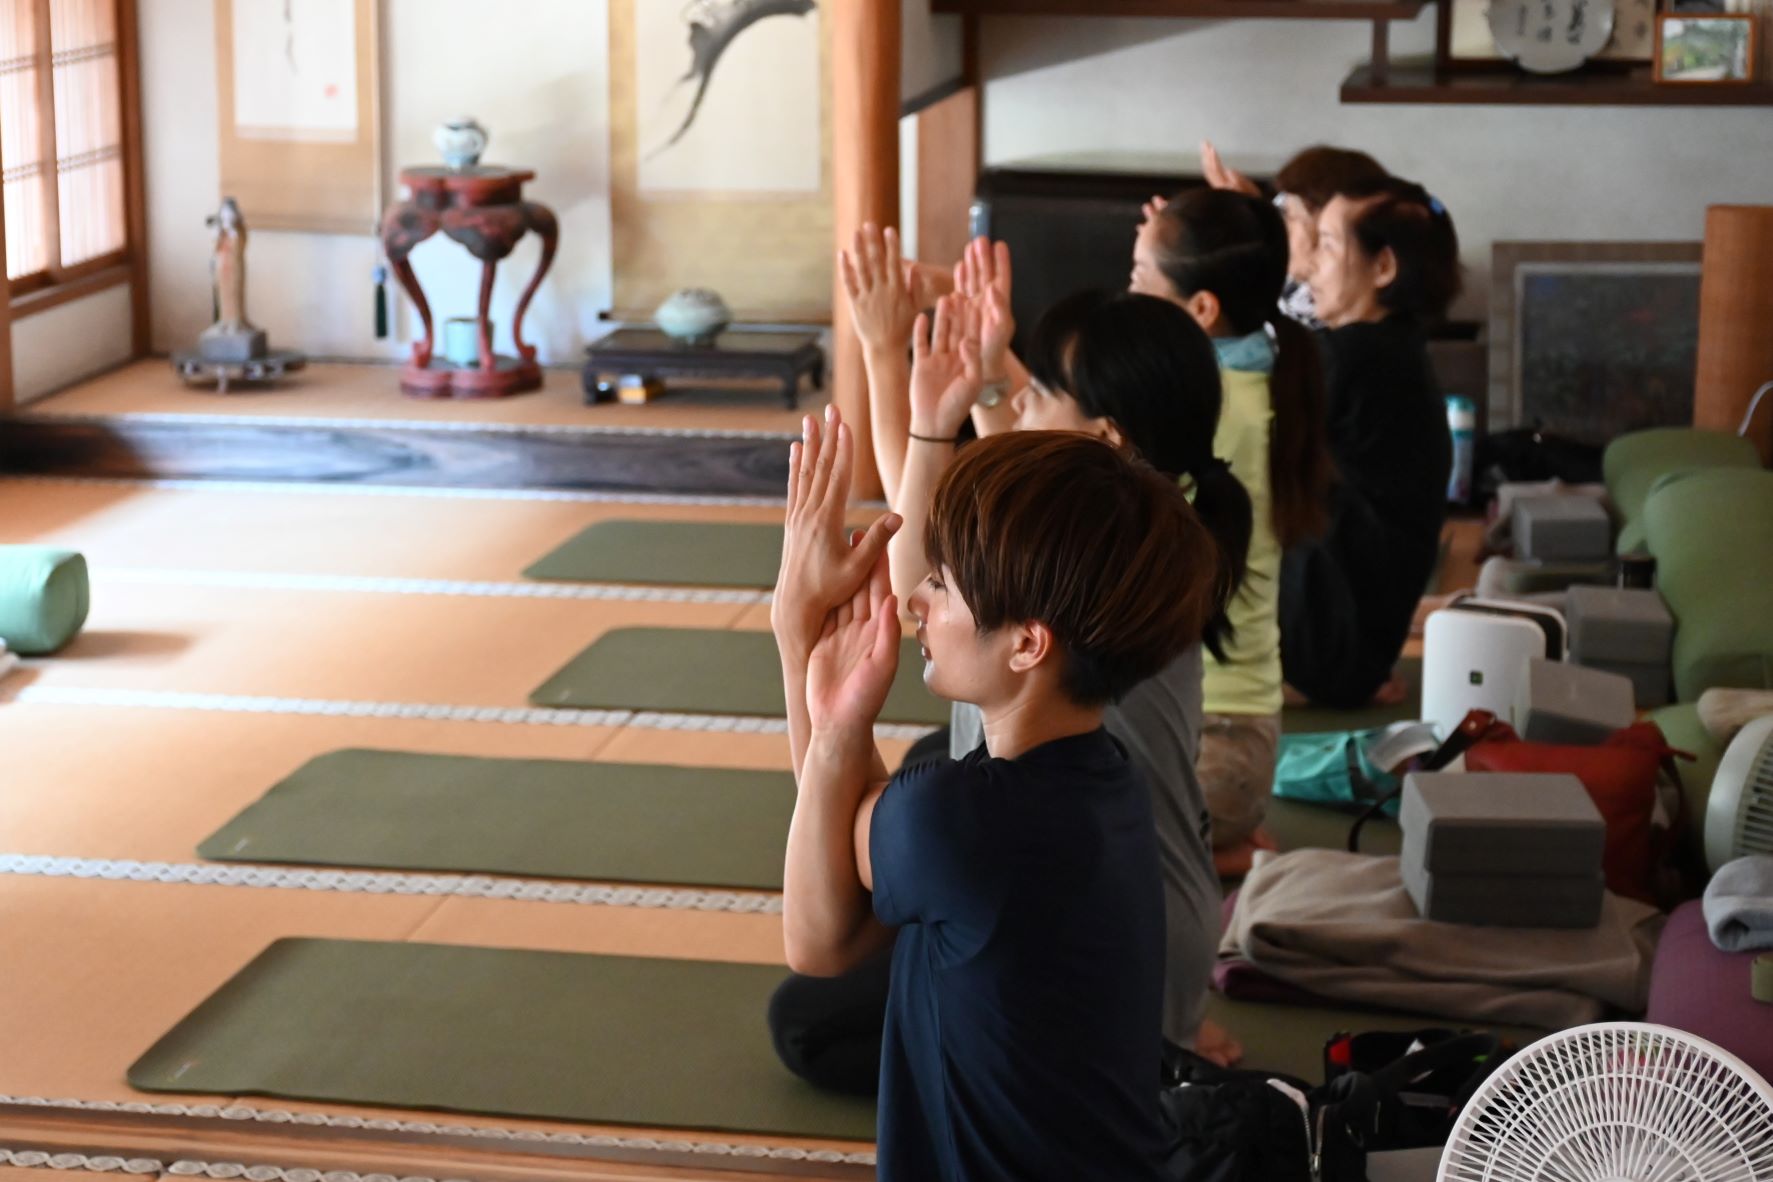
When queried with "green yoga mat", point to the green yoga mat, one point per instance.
{"points": [[544, 818], [708, 671], [674, 553], [547, 1035], [1305, 720]]}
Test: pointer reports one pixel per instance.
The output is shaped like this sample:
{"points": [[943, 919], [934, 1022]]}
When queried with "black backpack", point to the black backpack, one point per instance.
{"points": [[1383, 1091]]}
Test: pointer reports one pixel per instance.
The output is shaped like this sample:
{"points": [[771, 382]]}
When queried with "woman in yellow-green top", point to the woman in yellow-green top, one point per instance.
{"points": [[1222, 255]]}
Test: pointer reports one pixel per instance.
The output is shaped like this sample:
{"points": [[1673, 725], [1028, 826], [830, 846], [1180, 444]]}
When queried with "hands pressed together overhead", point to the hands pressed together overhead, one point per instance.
{"points": [[833, 611]]}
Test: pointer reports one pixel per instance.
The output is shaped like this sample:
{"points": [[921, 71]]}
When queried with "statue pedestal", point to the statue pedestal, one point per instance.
{"points": [[198, 370], [235, 346]]}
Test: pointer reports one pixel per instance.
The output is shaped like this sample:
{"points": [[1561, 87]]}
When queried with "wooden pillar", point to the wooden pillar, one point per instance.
{"points": [[865, 37], [135, 202], [947, 173], [1736, 321], [5, 312]]}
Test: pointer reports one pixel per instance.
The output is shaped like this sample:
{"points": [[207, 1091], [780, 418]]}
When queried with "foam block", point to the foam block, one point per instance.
{"points": [[1500, 824], [1516, 901], [1619, 624], [44, 596], [1562, 703], [1651, 685], [1562, 529]]}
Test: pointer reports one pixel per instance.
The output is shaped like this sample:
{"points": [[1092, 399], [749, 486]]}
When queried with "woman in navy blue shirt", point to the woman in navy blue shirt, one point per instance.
{"points": [[1023, 1035]]}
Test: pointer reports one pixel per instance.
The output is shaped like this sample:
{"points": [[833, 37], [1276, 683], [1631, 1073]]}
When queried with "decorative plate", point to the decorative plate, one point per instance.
{"points": [[1551, 36]]}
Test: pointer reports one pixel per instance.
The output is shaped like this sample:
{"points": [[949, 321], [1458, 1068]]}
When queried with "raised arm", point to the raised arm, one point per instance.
{"points": [[882, 307], [945, 380], [982, 278], [822, 565], [828, 922]]}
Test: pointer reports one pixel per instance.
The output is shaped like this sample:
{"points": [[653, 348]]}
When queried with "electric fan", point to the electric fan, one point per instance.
{"points": [[1739, 812], [1616, 1102]]}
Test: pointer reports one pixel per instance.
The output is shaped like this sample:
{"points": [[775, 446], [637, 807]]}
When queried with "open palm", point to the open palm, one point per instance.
{"points": [[945, 369], [856, 657]]}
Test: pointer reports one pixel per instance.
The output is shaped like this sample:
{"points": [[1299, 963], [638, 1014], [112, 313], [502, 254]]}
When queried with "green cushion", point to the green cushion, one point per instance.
{"points": [[1633, 463], [43, 597], [1681, 727], [1711, 534]]}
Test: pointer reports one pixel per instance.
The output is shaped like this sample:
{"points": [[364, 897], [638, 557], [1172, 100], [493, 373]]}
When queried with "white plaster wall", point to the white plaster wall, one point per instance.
{"points": [[1261, 89], [69, 342], [535, 76]]}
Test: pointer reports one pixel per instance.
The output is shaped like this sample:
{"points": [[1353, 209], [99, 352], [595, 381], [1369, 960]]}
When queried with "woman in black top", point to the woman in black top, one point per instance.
{"points": [[1387, 264]]}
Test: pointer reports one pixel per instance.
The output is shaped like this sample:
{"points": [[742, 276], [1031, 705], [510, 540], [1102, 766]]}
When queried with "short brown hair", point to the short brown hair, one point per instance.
{"points": [[1319, 174], [1064, 529]]}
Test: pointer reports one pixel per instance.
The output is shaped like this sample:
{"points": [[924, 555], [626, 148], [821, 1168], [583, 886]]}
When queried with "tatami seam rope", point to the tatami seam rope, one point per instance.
{"points": [[191, 1168], [277, 581], [417, 425], [372, 882], [442, 492], [430, 711]]}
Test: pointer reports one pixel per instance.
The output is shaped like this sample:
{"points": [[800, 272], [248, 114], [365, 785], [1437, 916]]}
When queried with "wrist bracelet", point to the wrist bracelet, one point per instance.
{"points": [[934, 438]]}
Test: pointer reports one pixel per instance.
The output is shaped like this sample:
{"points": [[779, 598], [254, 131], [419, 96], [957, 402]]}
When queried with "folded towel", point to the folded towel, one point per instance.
{"points": [[1342, 927], [1739, 904]]}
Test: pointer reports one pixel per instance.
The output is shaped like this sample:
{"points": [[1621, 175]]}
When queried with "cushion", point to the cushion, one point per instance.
{"points": [[1633, 463], [1698, 988], [43, 597], [1711, 534]]}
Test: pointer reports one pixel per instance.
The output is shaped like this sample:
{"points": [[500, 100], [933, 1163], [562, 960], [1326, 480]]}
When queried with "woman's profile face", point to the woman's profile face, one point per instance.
{"points": [[1040, 409], [1147, 277], [1301, 236], [1345, 280], [959, 663]]}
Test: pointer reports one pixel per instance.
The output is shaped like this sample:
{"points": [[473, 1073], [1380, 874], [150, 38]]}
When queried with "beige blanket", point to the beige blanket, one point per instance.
{"points": [[1341, 926]]}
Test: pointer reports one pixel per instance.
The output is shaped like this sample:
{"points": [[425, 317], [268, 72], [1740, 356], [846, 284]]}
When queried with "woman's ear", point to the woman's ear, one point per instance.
{"points": [[1203, 306], [1385, 268], [1032, 644], [1108, 430]]}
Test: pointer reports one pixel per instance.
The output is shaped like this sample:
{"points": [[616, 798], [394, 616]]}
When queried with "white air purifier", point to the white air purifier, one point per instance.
{"points": [[1739, 811], [1616, 1102], [1475, 654]]}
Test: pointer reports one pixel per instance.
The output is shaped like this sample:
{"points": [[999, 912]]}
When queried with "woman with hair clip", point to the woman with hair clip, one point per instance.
{"points": [[1222, 257], [1138, 372], [1387, 267]]}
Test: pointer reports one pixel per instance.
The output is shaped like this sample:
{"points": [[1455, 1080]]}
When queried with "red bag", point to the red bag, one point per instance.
{"points": [[1620, 775]]}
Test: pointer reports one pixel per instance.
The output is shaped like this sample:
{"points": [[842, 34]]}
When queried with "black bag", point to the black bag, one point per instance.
{"points": [[1383, 1091]]}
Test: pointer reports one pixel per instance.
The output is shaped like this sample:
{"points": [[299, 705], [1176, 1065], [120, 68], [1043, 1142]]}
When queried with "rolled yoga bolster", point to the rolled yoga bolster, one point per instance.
{"points": [[43, 597]]}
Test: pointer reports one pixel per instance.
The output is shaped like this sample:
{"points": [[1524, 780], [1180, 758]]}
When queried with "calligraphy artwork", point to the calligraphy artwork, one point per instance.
{"points": [[295, 70]]}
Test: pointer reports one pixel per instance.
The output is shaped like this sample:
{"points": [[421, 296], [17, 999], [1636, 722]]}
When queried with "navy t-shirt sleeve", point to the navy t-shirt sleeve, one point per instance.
{"points": [[928, 847]]}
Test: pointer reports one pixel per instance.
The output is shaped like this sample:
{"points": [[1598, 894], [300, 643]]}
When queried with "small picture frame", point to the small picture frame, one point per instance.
{"points": [[1705, 49]]}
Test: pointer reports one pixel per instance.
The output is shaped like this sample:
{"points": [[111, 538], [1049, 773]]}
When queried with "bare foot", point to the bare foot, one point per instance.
{"points": [[1214, 1043], [1235, 861], [1292, 697], [1392, 693]]}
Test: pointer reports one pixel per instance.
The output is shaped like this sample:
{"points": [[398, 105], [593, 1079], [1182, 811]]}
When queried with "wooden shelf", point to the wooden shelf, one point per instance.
{"points": [[1313, 10], [1510, 87]]}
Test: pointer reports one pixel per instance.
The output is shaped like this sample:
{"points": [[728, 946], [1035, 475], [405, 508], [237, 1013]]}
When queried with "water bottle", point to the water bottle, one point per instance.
{"points": [[1462, 425]]}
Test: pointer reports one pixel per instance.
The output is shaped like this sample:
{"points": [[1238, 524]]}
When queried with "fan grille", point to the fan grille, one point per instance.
{"points": [[1616, 1102], [1757, 812]]}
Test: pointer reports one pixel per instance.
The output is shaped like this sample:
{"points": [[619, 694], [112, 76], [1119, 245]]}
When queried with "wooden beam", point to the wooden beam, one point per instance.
{"points": [[49, 158], [135, 199], [865, 48], [947, 171]]}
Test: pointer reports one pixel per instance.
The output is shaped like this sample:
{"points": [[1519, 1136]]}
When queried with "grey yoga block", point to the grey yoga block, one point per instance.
{"points": [[1619, 625], [1561, 703], [1496, 825], [1533, 901], [1562, 529], [1651, 685]]}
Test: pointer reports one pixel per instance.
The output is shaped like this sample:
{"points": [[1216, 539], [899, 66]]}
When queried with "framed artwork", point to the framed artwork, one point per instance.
{"points": [[298, 94], [1590, 340], [1702, 49], [720, 156]]}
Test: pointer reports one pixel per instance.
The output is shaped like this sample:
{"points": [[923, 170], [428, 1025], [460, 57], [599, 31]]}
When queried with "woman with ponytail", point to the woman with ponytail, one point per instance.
{"points": [[1387, 267], [1140, 373], [1222, 256]]}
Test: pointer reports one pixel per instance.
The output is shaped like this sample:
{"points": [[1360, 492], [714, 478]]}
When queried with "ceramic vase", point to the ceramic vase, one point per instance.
{"points": [[461, 141]]}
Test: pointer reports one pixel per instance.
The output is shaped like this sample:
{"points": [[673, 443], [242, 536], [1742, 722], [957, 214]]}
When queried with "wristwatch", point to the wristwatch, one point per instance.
{"points": [[991, 396]]}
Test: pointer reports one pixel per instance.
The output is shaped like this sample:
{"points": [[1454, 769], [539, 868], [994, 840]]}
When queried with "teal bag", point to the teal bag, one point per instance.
{"points": [[1334, 769]]}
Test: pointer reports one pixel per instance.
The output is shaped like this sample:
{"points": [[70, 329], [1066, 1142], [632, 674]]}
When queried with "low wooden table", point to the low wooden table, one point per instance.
{"points": [[650, 357]]}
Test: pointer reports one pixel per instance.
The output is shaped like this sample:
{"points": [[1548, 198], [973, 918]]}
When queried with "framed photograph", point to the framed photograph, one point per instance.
{"points": [[1590, 340], [1705, 49]]}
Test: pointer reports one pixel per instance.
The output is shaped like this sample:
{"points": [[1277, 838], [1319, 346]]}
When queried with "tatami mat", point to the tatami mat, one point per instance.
{"points": [[328, 391], [339, 645], [268, 530]]}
